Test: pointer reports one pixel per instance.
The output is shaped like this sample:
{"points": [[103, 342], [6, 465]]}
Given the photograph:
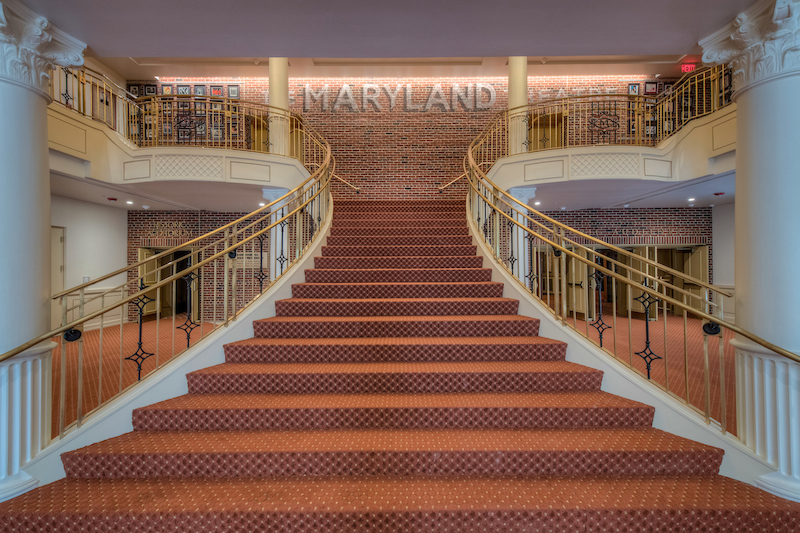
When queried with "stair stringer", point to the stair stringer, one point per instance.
{"points": [[115, 417], [671, 415]]}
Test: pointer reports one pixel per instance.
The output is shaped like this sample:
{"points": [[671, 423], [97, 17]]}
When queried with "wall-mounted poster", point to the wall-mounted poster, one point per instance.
{"points": [[150, 90], [233, 91], [134, 90], [199, 108], [166, 89], [633, 89], [651, 87], [184, 90], [217, 90], [199, 90]]}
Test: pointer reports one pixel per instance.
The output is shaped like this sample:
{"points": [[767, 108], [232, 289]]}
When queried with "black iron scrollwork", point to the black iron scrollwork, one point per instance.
{"points": [[599, 324], [647, 354], [140, 355], [190, 324], [604, 122]]}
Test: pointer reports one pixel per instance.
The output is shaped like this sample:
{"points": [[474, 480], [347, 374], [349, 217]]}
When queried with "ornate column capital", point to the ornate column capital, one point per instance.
{"points": [[760, 44], [30, 47]]}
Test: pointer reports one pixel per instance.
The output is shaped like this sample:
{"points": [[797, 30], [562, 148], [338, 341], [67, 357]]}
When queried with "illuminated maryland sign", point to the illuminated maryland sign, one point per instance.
{"points": [[405, 97]]}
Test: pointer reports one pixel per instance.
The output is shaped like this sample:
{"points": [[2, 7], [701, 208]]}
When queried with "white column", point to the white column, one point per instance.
{"points": [[762, 46], [30, 48], [517, 96], [279, 97]]}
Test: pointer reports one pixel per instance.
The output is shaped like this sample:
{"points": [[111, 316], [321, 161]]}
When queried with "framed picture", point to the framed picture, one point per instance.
{"points": [[134, 90], [668, 88], [650, 87], [166, 106], [216, 107], [200, 129], [184, 105], [200, 108], [233, 91], [199, 90], [184, 135], [168, 129], [660, 87], [166, 89], [234, 130], [184, 90], [633, 89], [150, 90], [216, 133], [217, 90]]}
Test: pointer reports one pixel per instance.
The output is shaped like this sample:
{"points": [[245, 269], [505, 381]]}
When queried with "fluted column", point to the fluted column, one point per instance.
{"points": [[30, 48], [279, 97], [517, 97], [762, 46]]}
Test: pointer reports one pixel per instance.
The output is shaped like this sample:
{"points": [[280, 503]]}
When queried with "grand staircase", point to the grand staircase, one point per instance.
{"points": [[397, 391]]}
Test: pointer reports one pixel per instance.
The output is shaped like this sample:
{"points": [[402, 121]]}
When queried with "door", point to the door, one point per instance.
{"points": [[622, 298], [579, 288], [695, 264], [150, 277], [56, 273]]}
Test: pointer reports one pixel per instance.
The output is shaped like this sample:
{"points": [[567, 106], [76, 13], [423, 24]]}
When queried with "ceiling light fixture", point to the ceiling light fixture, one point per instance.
{"points": [[563, 208], [262, 204], [626, 205], [129, 202], [537, 203], [691, 199], [710, 205]]}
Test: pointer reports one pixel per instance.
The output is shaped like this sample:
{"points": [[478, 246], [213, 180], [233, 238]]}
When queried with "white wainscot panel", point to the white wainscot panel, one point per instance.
{"points": [[544, 170], [658, 168], [249, 171]]}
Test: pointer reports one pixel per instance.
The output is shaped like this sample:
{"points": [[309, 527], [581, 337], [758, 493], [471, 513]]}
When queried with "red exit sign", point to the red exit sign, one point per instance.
{"points": [[688, 67]]}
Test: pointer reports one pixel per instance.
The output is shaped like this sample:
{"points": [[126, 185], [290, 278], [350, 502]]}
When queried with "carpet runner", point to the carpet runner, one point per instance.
{"points": [[397, 391]]}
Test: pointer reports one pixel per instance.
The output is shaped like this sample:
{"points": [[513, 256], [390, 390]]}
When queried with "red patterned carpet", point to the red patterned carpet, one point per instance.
{"points": [[397, 391]]}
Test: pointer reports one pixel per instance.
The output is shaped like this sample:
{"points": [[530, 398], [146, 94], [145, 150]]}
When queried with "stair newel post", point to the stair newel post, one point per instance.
{"points": [[81, 311], [225, 276], [563, 266]]}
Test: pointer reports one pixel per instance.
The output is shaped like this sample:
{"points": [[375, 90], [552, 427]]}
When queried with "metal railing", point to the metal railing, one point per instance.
{"points": [[607, 119], [612, 296], [110, 338]]}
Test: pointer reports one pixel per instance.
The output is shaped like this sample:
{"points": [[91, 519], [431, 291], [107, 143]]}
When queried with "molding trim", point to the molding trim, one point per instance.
{"points": [[30, 47], [760, 44]]}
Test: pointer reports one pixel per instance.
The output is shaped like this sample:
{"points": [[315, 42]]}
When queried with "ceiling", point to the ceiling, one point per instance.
{"points": [[374, 29], [587, 194]]}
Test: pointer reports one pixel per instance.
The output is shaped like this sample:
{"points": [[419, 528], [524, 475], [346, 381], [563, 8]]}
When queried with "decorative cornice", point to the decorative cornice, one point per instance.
{"points": [[760, 44], [30, 47], [523, 194]]}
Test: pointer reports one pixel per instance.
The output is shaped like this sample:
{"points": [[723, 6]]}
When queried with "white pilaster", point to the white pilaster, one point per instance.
{"points": [[517, 97], [762, 46], [279, 97]]}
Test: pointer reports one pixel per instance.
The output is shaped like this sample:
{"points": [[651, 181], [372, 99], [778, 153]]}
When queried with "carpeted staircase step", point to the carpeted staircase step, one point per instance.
{"points": [[386, 210], [392, 505], [350, 453], [345, 204], [481, 289], [284, 327], [399, 275], [395, 350], [401, 251], [338, 231], [369, 263], [395, 306], [399, 214], [418, 221], [394, 378], [235, 412], [400, 240]]}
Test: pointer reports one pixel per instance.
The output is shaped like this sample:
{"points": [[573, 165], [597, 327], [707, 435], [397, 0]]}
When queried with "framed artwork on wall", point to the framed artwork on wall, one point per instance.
{"points": [[199, 108], [217, 90], [199, 90], [166, 89], [134, 90], [168, 129], [150, 90], [651, 87], [633, 89], [233, 91], [184, 90], [668, 88]]}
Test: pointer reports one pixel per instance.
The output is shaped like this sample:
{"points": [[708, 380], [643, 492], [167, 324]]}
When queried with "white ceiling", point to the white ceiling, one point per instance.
{"points": [[370, 28], [587, 194]]}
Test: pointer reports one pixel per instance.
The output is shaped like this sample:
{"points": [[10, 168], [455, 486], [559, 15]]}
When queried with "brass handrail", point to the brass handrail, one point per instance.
{"points": [[357, 189], [443, 187]]}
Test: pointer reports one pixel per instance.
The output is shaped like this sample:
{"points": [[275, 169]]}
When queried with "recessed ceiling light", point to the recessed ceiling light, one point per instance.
{"points": [[129, 202], [626, 205], [710, 205], [563, 208], [537, 203], [145, 207], [262, 204], [691, 199], [691, 205]]}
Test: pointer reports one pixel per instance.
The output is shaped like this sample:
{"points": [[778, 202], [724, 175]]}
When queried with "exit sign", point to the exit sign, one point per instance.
{"points": [[688, 67]]}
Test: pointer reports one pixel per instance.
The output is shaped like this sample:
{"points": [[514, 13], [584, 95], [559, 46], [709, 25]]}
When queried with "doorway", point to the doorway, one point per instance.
{"points": [[57, 267], [175, 297]]}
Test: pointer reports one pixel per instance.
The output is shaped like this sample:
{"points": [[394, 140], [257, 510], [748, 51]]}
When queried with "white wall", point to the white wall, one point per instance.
{"points": [[722, 229], [95, 239]]}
